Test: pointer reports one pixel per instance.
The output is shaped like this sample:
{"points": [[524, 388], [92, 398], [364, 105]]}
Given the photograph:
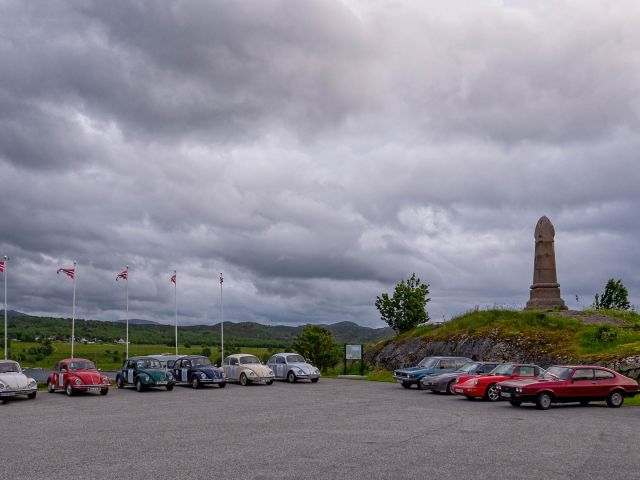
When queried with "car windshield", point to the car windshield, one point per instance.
{"points": [[503, 370], [295, 359], [469, 367], [9, 367], [249, 359], [81, 365], [148, 363], [201, 362], [557, 373], [428, 362]]}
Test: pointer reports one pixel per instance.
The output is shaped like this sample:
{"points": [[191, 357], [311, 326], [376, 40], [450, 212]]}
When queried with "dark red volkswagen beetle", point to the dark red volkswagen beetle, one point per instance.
{"points": [[77, 375]]}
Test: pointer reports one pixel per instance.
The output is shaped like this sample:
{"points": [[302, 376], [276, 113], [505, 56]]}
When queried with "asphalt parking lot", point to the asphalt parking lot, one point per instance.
{"points": [[332, 429]]}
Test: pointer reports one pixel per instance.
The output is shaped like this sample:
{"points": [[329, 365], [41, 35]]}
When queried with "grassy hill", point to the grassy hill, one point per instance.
{"points": [[606, 337]]}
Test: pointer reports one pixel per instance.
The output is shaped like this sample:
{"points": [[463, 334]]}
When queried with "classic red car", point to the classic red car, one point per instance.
{"points": [[77, 375], [561, 384], [484, 386]]}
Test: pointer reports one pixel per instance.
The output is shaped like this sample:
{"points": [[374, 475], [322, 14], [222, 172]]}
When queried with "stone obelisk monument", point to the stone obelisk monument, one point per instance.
{"points": [[545, 291]]}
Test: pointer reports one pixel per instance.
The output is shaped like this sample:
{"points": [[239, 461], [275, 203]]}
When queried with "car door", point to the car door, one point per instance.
{"points": [[131, 372], [602, 383], [185, 370], [281, 367], [581, 384], [234, 364], [62, 374]]}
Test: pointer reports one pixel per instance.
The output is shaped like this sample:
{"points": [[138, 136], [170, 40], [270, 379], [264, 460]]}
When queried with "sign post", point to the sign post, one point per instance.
{"points": [[354, 352]]}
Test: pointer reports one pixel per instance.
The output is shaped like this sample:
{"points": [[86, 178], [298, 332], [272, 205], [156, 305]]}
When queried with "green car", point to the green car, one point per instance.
{"points": [[144, 372]]}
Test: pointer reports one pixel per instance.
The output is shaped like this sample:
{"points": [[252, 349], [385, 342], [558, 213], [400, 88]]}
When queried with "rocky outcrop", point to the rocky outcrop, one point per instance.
{"points": [[518, 348]]}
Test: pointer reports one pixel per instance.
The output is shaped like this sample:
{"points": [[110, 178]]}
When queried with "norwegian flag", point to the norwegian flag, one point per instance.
{"points": [[1, 266], [124, 275], [69, 272], [221, 279], [173, 278]]}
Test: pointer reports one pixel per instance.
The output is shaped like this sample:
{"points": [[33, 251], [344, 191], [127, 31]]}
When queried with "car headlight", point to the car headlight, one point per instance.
{"points": [[105, 380], [271, 372], [32, 383], [2, 386], [202, 375], [145, 377], [252, 373], [519, 390], [315, 370], [78, 381], [169, 376]]}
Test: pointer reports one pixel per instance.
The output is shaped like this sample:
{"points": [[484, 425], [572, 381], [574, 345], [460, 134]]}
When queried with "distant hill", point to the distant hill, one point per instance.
{"points": [[243, 334], [14, 313], [138, 321]]}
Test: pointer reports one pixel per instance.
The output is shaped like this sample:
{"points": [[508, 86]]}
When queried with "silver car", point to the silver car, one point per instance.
{"points": [[293, 367]]}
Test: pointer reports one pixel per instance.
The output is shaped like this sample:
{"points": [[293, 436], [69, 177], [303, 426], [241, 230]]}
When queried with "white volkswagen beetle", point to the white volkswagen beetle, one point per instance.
{"points": [[246, 369], [13, 382], [293, 367]]}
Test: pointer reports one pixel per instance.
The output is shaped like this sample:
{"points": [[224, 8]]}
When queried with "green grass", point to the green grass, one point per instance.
{"points": [[563, 336], [108, 356], [633, 402]]}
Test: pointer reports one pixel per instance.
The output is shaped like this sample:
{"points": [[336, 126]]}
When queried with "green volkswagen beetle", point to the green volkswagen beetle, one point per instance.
{"points": [[144, 372]]}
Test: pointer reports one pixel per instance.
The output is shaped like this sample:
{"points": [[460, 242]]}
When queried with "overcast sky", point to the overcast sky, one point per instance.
{"points": [[315, 152]]}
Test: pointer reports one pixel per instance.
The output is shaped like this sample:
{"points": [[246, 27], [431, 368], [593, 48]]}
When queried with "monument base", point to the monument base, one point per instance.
{"points": [[545, 296]]}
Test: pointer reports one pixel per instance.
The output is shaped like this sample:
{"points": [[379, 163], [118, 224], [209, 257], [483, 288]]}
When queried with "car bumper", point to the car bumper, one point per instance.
{"points": [[517, 397], [212, 380], [405, 379], [159, 384], [469, 391], [307, 377], [85, 388], [13, 393], [260, 379], [435, 386]]}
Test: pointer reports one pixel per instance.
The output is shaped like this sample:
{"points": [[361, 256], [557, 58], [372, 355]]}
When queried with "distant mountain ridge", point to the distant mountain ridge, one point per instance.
{"points": [[247, 334]]}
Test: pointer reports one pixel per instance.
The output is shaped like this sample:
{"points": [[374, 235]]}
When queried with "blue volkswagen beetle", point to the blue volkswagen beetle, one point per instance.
{"points": [[428, 366], [196, 370]]}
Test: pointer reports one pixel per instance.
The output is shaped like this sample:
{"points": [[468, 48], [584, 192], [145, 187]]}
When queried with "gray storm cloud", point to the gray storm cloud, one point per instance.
{"points": [[315, 152]]}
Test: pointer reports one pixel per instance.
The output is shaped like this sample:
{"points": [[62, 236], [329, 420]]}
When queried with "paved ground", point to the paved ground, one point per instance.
{"points": [[334, 429]]}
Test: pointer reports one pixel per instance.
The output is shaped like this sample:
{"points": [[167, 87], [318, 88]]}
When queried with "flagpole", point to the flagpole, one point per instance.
{"points": [[6, 264], [221, 323], [127, 304], [175, 302], [73, 310]]}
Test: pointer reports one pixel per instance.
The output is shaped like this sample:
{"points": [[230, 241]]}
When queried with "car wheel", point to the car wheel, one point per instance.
{"points": [[543, 402], [120, 382], [291, 377], [169, 388], [515, 403], [243, 380], [314, 380], [139, 386], [68, 389], [222, 384], [615, 399], [32, 395], [493, 395], [195, 383], [406, 384], [419, 384], [450, 387], [50, 387], [104, 391]]}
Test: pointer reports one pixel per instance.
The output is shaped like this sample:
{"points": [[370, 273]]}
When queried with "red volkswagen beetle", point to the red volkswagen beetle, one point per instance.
{"points": [[562, 384], [484, 386], [77, 375]]}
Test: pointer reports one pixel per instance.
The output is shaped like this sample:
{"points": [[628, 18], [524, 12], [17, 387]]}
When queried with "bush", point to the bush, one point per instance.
{"points": [[606, 333]]}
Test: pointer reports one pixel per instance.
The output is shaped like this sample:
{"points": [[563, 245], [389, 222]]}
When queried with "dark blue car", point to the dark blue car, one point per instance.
{"points": [[197, 370], [428, 366]]}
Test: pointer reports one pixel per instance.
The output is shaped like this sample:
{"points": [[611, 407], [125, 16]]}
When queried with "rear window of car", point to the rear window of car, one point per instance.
{"points": [[603, 375], [583, 374]]}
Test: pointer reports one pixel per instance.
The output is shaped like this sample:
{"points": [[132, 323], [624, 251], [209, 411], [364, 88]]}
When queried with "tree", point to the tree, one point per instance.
{"points": [[406, 308], [614, 297], [317, 345]]}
